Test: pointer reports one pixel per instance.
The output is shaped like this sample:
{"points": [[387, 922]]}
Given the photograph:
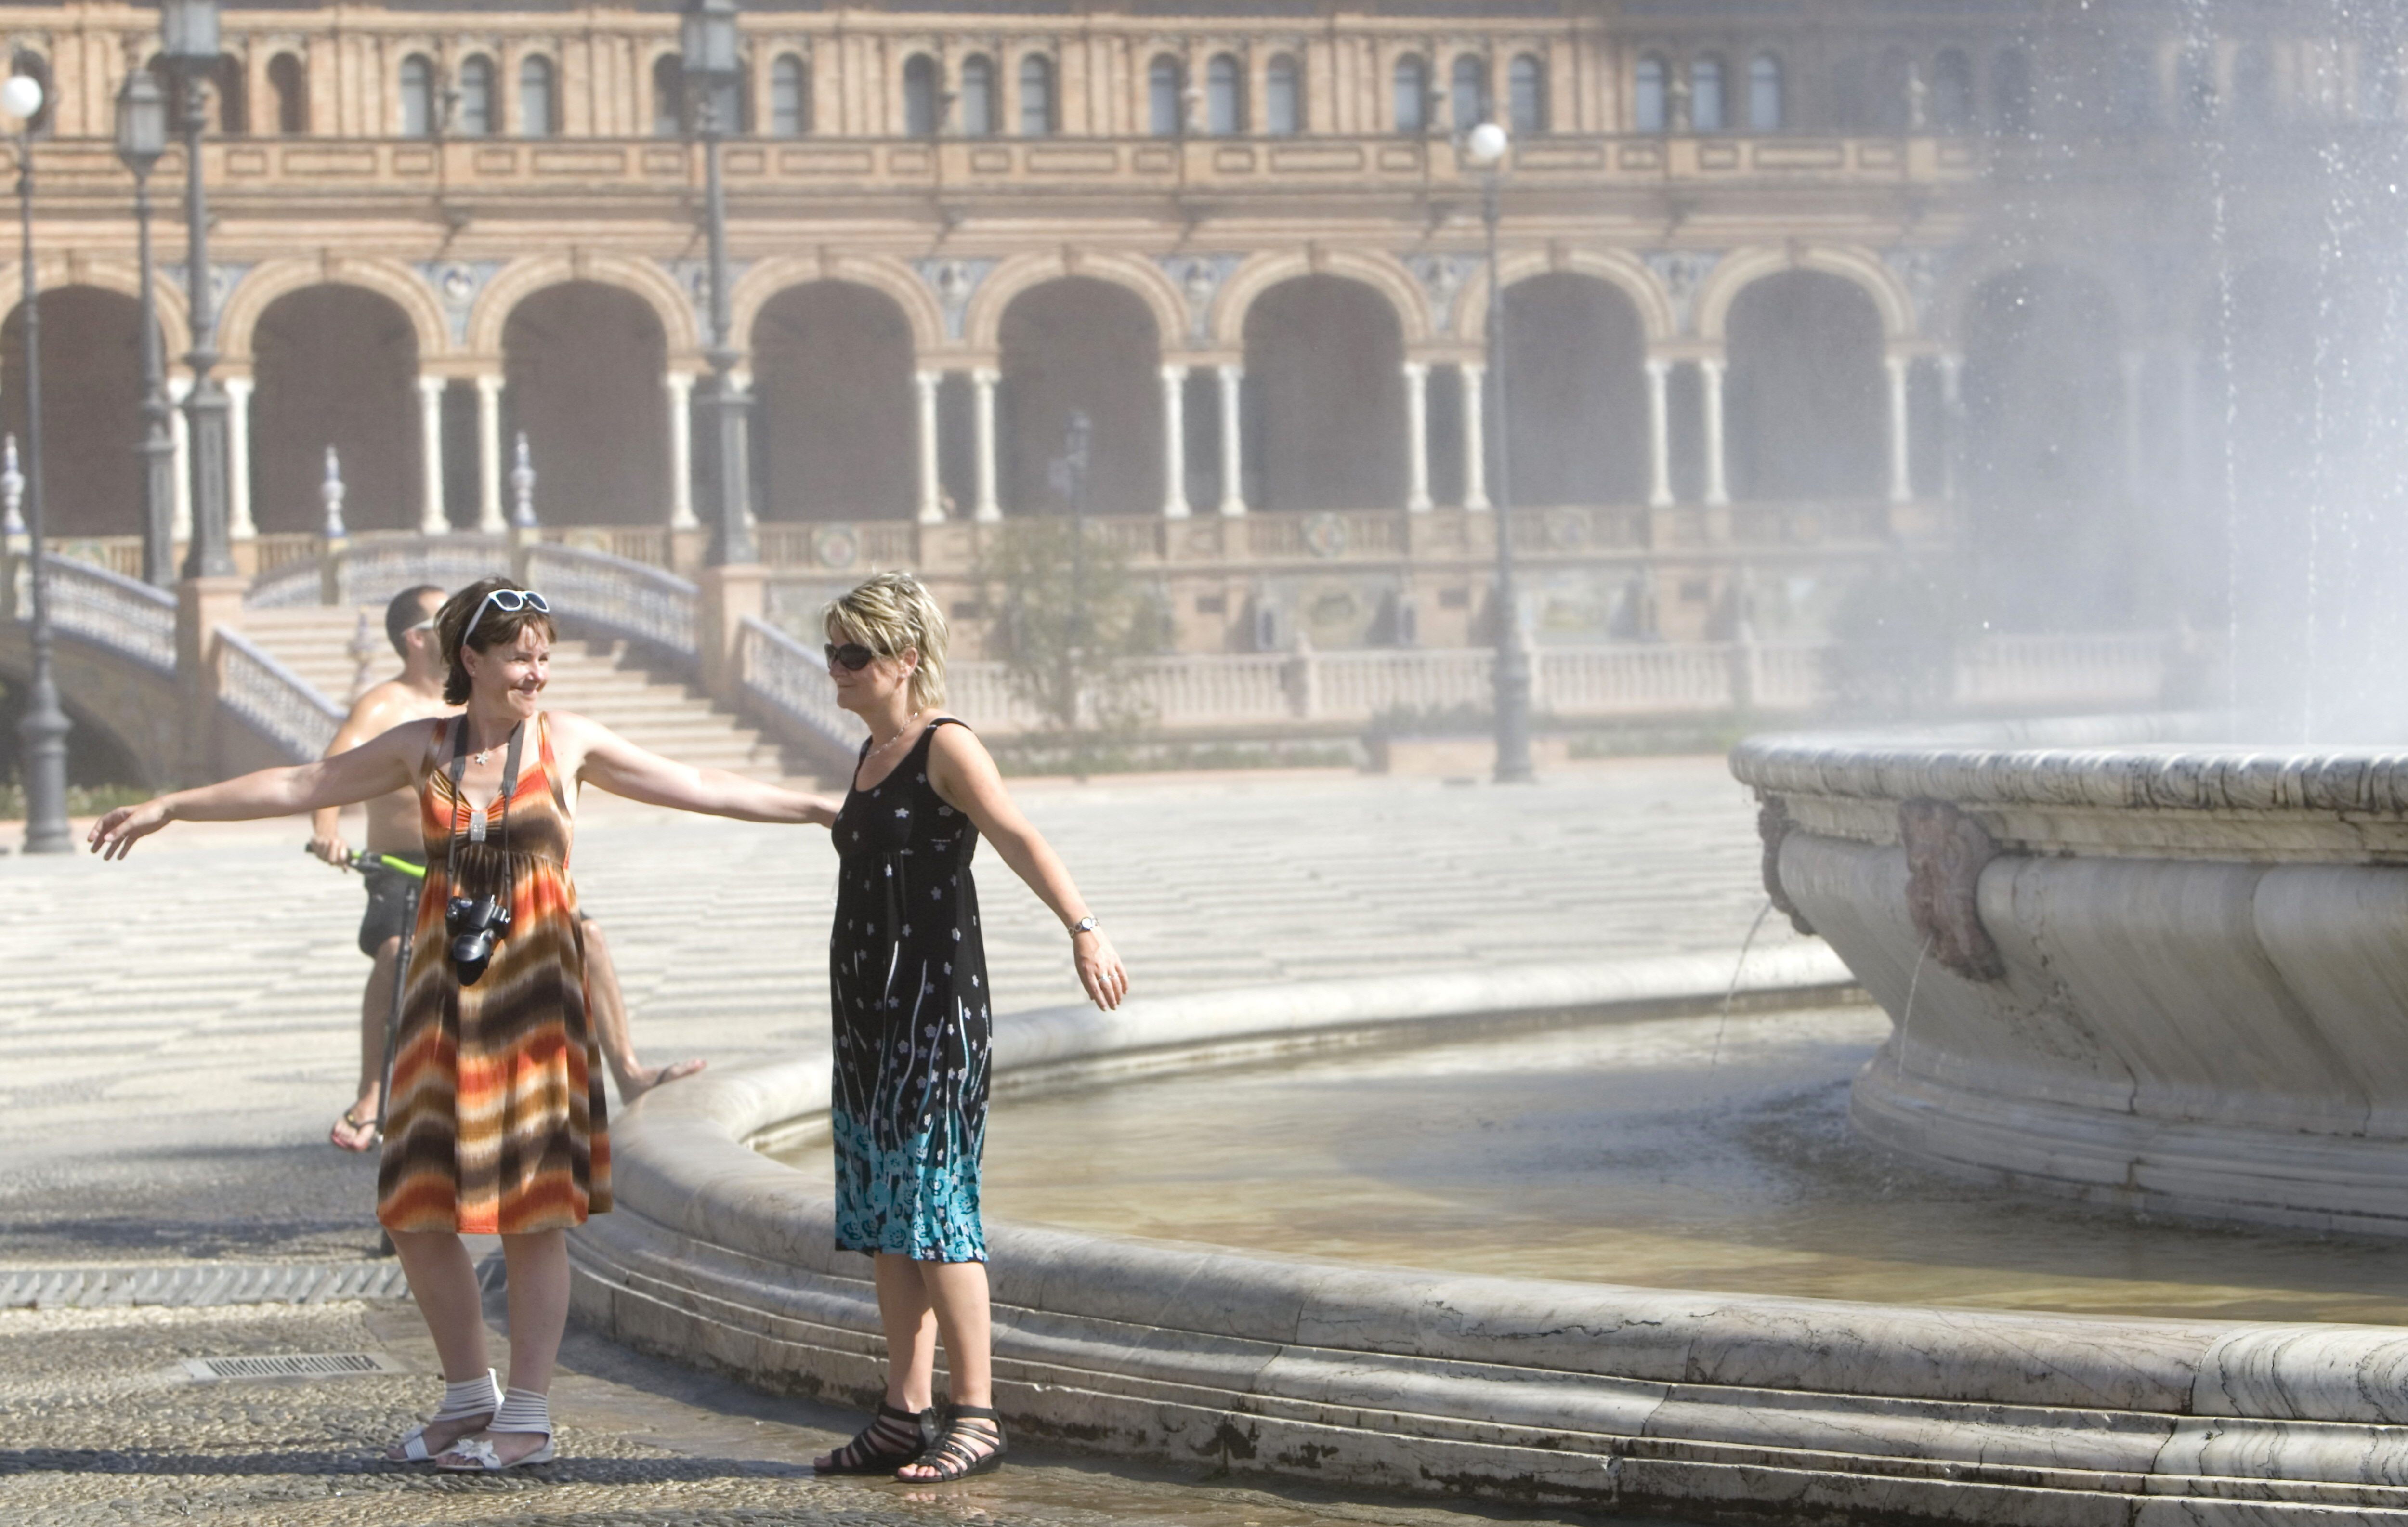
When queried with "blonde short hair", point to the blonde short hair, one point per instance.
{"points": [[891, 612]]}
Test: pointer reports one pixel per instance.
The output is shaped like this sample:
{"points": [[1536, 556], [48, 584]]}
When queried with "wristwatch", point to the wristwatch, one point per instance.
{"points": [[1085, 925]]}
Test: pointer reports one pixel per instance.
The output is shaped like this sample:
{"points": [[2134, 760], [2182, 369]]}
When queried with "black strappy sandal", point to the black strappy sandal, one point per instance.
{"points": [[868, 1452], [953, 1456]]}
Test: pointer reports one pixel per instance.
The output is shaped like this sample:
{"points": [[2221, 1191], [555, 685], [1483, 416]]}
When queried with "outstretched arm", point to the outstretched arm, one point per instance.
{"points": [[965, 775], [595, 753], [366, 720], [386, 762]]}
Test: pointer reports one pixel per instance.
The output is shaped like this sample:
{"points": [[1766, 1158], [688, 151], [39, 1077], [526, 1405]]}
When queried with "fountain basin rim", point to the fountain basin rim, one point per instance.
{"points": [[2170, 763], [686, 1177]]}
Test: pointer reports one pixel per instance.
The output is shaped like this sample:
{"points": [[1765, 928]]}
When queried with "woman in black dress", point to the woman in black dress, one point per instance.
{"points": [[912, 1015]]}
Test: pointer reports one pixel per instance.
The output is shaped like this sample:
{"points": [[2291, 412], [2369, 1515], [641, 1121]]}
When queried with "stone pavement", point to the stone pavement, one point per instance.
{"points": [[176, 1032]]}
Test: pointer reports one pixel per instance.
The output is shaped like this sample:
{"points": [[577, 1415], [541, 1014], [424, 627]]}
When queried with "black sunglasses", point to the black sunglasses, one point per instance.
{"points": [[852, 656]]}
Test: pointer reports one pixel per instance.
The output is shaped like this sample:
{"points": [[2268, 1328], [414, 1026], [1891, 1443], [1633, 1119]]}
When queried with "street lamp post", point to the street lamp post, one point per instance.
{"points": [[711, 63], [141, 138], [44, 729], [189, 37], [1485, 145]]}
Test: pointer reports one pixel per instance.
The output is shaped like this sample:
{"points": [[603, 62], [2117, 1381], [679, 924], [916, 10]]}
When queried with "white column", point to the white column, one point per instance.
{"points": [[680, 391], [983, 379], [489, 455], [180, 431], [1710, 379], [1174, 442], [431, 519], [1475, 435], [932, 509], [1233, 451], [1952, 408], [1659, 438], [240, 525], [1417, 496], [2135, 463], [1901, 471], [740, 379]]}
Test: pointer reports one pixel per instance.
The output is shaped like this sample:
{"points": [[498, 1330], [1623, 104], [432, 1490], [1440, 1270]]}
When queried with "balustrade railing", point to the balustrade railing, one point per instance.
{"points": [[786, 681], [106, 608], [623, 598], [276, 702]]}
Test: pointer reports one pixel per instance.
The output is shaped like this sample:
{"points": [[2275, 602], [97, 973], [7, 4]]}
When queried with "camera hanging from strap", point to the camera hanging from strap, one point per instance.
{"points": [[475, 922]]}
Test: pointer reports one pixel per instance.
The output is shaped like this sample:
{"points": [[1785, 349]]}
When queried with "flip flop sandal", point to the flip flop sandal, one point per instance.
{"points": [[955, 1455], [867, 1453], [523, 1413]]}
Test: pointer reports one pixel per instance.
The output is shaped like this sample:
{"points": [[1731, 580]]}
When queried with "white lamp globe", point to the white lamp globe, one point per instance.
{"points": [[22, 97], [1487, 144]]}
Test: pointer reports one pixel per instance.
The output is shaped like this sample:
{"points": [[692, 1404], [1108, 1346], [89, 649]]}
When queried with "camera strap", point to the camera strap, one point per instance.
{"points": [[476, 830]]}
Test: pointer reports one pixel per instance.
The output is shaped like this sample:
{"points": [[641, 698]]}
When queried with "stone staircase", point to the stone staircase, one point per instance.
{"points": [[598, 680]]}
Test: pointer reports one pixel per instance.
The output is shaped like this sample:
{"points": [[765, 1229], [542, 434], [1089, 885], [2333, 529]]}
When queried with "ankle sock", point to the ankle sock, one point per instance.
{"points": [[523, 1410], [470, 1397]]}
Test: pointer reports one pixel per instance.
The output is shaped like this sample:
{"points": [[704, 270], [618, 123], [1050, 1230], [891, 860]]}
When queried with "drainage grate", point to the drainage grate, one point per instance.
{"points": [[290, 1365]]}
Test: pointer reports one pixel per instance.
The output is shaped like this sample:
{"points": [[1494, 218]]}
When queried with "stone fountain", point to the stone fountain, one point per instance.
{"points": [[2165, 972]]}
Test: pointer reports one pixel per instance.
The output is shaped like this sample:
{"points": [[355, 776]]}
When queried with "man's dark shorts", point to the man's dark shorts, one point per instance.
{"points": [[392, 903]]}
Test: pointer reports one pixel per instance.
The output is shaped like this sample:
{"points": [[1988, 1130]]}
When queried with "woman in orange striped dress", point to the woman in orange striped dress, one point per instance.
{"points": [[495, 1124]]}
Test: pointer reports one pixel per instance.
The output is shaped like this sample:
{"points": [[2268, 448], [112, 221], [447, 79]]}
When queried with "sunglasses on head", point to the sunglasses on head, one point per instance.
{"points": [[852, 656], [509, 602]]}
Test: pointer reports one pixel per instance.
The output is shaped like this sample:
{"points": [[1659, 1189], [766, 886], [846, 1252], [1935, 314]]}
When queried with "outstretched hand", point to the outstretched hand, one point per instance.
{"points": [[1100, 970], [114, 836]]}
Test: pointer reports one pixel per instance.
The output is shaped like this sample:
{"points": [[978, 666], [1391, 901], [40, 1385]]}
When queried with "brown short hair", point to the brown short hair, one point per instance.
{"points": [[499, 627], [404, 613]]}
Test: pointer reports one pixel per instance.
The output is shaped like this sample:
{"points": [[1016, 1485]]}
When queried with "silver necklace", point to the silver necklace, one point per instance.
{"points": [[904, 731]]}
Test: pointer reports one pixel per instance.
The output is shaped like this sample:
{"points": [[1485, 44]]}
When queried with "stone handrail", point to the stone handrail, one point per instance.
{"points": [[785, 680], [371, 569], [621, 597], [276, 702], [108, 609]]}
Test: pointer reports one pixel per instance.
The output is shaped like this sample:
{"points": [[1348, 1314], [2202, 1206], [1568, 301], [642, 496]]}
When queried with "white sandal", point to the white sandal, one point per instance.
{"points": [[521, 1412], [469, 1397]]}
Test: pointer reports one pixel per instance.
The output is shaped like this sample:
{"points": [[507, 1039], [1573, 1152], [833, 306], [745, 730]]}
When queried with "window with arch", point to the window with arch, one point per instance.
{"points": [[669, 95], [1412, 91], [1952, 91], [921, 108], [1166, 85], [1650, 93], [34, 66], [537, 99], [2010, 91], [977, 98], [417, 98], [1525, 87], [1036, 95], [2253, 85], [1467, 91], [1225, 95], [790, 97], [475, 113], [1706, 103], [1282, 96], [290, 85], [1765, 106]]}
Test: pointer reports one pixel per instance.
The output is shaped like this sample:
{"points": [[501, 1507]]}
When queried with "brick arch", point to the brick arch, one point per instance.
{"points": [[1965, 279], [1862, 267], [983, 324], [1616, 269], [122, 277], [522, 278], [388, 278], [1383, 273], [892, 278]]}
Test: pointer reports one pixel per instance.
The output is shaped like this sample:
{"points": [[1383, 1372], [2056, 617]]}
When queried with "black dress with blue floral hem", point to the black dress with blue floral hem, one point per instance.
{"points": [[907, 981]]}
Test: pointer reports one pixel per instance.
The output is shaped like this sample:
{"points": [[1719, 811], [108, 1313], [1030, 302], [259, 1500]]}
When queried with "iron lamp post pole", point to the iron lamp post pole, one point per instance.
{"points": [[710, 60], [141, 138], [43, 731], [190, 32], [1487, 146]]}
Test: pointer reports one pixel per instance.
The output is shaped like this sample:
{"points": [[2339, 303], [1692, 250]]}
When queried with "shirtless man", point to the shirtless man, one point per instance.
{"points": [[392, 826]]}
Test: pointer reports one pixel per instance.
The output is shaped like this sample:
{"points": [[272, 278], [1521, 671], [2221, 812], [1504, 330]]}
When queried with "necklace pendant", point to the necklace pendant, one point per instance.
{"points": [[477, 824]]}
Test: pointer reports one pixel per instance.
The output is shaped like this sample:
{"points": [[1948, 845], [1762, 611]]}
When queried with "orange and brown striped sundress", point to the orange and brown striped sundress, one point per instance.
{"points": [[496, 1121]]}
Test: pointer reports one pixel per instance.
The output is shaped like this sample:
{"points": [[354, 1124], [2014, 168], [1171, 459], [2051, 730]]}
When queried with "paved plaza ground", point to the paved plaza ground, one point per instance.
{"points": [[176, 1034]]}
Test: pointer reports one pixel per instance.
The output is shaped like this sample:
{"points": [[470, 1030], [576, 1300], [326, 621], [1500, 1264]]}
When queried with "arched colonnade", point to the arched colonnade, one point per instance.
{"points": [[1299, 379]]}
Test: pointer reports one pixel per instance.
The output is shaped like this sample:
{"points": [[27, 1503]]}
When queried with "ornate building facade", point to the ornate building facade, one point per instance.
{"points": [[1795, 294]]}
